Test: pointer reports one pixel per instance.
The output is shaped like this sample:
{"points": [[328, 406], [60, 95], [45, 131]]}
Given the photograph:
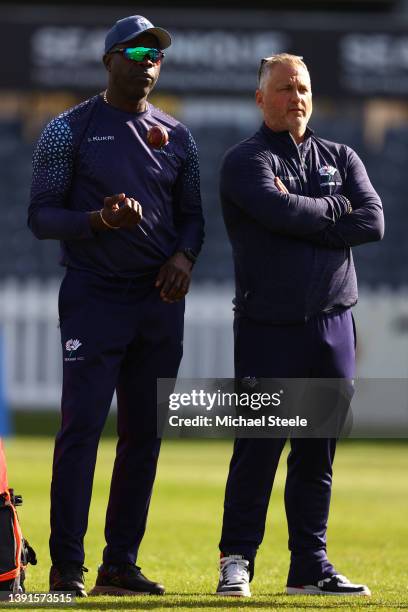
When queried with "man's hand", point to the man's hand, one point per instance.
{"points": [[282, 188], [118, 212], [174, 278]]}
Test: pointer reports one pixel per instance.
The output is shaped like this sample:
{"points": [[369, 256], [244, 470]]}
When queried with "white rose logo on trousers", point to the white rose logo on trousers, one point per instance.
{"points": [[71, 346]]}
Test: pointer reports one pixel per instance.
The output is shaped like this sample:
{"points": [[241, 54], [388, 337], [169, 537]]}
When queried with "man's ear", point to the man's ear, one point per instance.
{"points": [[259, 98], [107, 59]]}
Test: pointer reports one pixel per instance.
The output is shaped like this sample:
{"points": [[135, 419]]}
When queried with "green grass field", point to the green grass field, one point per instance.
{"points": [[368, 529]]}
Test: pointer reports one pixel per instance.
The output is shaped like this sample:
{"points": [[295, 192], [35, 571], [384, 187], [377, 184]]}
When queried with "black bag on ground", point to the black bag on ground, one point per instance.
{"points": [[15, 552]]}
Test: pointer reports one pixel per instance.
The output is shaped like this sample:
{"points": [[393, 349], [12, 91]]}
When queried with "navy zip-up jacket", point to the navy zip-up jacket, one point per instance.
{"points": [[95, 150], [292, 253]]}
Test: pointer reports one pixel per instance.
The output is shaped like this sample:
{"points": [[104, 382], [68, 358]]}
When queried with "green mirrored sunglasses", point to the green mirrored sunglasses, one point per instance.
{"points": [[138, 54]]}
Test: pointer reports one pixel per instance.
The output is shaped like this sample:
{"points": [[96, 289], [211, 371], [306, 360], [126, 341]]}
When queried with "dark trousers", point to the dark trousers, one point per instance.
{"points": [[128, 338], [324, 347]]}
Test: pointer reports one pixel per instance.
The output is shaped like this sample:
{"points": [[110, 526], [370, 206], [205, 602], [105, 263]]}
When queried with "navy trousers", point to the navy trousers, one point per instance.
{"points": [[324, 347], [116, 334]]}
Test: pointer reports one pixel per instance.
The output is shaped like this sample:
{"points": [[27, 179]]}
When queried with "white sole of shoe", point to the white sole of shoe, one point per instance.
{"points": [[300, 591]]}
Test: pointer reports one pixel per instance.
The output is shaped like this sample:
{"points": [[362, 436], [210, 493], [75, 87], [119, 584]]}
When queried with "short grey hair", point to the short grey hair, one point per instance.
{"points": [[267, 63]]}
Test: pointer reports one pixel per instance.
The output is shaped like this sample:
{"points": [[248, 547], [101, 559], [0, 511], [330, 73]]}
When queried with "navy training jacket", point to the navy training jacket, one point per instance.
{"points": [[292, 253], [95, 150]]}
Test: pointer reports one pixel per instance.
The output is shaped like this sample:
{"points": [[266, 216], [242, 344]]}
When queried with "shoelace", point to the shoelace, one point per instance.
{"points": [[124, 568], [234, 570], [134, 569], [341, 578], [71, 571], [338, 577], [83, 569]]}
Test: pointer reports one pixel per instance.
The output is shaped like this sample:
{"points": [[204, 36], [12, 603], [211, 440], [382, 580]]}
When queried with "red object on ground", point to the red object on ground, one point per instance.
{"points": [[3, 470], [157, 136]]}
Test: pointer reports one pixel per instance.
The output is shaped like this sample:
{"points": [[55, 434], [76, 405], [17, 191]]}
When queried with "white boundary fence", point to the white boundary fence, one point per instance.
{"points": [[32, 353]]}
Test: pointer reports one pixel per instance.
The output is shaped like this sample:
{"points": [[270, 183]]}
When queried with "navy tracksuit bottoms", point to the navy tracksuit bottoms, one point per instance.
{"points": [[323, 347], [116, 334]]}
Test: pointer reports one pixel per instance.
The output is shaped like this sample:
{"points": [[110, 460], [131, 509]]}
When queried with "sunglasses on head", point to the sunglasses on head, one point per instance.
{"points": [[265, 60], [139, 54]]}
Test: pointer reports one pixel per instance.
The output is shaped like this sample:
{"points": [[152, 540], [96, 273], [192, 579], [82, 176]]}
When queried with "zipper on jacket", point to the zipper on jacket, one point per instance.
{"points": [[302, 163]]}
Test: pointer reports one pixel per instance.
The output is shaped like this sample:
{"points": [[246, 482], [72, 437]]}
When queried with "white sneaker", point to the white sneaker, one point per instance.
{"points": [[333, 585], [234, 577]]}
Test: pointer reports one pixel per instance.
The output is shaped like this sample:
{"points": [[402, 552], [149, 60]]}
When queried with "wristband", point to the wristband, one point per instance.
{"points": [[106, 223]]}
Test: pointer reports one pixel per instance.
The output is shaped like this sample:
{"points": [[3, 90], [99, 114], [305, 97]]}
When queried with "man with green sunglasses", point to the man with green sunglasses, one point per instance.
{"points": [[116, 180]]}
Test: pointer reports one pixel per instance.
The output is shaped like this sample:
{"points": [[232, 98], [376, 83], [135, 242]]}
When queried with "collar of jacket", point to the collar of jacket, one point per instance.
{"points": [[285, 138]]}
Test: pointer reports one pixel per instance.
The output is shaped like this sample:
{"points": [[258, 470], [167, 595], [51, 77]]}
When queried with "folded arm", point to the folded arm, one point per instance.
{"points": [[366, 221], [247, 180]]}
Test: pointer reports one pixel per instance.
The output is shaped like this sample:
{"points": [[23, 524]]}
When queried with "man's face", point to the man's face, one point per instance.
{"points": [[133, 79], [286, 99]]}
